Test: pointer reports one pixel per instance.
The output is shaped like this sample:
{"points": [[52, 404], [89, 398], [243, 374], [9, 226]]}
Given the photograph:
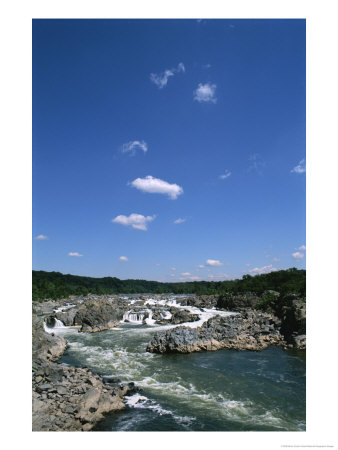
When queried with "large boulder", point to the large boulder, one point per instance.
{"points": [[98, 315], [179, 316]]}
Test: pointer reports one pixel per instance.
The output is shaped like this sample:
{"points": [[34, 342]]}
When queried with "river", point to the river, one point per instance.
{"points": [[208, 391]]}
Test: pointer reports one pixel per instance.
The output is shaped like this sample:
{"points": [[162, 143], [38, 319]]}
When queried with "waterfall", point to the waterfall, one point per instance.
{"points": [[133, 317], [57, 324]]}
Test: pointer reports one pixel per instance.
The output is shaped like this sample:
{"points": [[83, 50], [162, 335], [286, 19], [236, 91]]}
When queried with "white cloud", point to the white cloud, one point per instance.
{"points": [[213, 262], [248, 265], [302, 248], [186, 274], [225, 175], [205, 93], [264, 269], [157, 186], [300, 168], [275, 259], [74, 254], [132, 146], [161, 79], [179, 220], [200, 266], [172, 275], [134, 220], [123, 258], [297, 255], [41, 237], [173, 268], [157, 265]]}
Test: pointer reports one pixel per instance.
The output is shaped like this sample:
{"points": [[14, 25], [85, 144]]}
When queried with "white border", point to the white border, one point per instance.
{"points": [[16, 219]]}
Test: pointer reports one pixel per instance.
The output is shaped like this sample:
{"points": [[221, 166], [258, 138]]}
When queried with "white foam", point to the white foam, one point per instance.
{"points": [[149, 320], [142, 402]]}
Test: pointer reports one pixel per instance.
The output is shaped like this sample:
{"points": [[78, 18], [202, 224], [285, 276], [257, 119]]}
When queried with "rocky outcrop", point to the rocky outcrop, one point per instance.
{"points": [[68, 398], [203, 301], [98, 315], [249, 330], [293, 317], [72, 399], [236, 302]]}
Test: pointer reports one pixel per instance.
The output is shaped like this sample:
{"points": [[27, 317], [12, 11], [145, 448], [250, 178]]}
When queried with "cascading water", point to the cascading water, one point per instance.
{"points": [[133, 317], [56, 323]]}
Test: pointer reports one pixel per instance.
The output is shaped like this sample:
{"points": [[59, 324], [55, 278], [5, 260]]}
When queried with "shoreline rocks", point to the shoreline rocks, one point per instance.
{"points": [[66, 398]]}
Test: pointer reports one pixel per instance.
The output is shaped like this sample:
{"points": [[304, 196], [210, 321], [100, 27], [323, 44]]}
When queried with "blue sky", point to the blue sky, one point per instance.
{"points": [[212, 110]]}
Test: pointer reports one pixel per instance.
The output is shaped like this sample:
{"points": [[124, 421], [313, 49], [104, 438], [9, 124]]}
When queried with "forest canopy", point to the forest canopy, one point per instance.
{"points": [[55, 285]]}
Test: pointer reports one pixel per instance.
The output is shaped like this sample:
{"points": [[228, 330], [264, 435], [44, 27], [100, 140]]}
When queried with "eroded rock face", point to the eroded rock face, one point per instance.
{"points": [[293, 316], [247, 331]]}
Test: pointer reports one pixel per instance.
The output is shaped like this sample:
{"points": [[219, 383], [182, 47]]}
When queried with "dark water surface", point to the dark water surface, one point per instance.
{"points": [[210, 391]]}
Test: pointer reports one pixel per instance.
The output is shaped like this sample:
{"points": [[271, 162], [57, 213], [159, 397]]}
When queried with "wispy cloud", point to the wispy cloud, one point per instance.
{"points": [[205, 93], [123, 258], [137, 221], [219, 276], [264, 269], [161, 79], [300, 168], [179, 220], [297, 255], [256, 163], [190, 277], [225, 175], [74, 254], [156, 186], [275, 259], [200, 266], [302, 248], [131, 147], [214, 262], [186, 274], [173, 268], [41, 237]]}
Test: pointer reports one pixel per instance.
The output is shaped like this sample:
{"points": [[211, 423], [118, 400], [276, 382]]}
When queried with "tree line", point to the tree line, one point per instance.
{"points": [[55, 285]]}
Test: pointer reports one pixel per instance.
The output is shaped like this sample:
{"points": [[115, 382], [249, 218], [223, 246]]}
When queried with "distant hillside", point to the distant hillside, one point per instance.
{"points": [[55, 285]]}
